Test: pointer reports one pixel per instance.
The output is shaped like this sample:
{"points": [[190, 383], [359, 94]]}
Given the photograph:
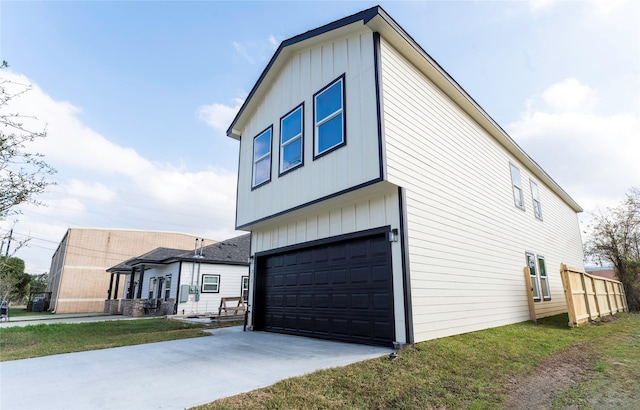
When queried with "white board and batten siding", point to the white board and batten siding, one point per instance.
{"points": [[467, 239], [305, 72], [361, 210]]}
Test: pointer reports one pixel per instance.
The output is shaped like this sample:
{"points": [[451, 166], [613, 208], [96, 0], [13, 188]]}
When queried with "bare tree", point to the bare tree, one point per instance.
{"points": [[23, 174], [615, 237]]}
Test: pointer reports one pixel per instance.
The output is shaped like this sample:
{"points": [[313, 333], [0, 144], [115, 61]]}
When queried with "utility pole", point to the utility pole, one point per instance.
{"points": [[8, 243]]}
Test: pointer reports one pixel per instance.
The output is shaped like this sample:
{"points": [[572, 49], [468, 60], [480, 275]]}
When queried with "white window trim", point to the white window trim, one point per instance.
{"points": [[537, 292], [167, 291], [544, 280], [151, 291], [242, 289], [317, 124], [293, 139], [217, 284], [535, 196], [517, 185], [255, 184]]}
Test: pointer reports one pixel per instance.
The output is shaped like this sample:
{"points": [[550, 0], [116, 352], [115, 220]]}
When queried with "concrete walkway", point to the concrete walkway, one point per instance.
{"points": [[170, 375]]}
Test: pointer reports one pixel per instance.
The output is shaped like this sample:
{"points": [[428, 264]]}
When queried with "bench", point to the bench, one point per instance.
{"points": [[231, 306]]}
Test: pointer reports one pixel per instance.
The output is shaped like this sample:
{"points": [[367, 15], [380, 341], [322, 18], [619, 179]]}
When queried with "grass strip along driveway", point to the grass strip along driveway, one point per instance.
{"points": [[526, 365], [47, 339]]}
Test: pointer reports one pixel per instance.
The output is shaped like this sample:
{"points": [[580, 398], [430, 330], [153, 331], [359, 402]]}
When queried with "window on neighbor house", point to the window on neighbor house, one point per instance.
{"points": [[262, 158], [152, 287], [531, 264], [244, 289], [167, 288], [544, 279], [537, 209], [329, 118], [518, 196], [210, 283], [291, 139]]}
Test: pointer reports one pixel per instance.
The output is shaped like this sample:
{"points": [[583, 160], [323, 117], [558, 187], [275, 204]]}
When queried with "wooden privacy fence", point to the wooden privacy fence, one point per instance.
{"points": [[590, 297]]}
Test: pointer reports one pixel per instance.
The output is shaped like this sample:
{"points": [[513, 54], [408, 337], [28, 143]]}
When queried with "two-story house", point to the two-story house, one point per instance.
{"points": [[385, 205]]}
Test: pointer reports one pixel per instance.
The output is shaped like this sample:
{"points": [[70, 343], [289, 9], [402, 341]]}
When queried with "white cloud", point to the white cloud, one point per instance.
{"points": [[219, 116], [102, 184], [537, 5], [242, 50], [570, 96], [594, 157], [257, 51]]}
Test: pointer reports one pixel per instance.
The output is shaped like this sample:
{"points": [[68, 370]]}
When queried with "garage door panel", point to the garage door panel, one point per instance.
{"points": [[339, 291]]}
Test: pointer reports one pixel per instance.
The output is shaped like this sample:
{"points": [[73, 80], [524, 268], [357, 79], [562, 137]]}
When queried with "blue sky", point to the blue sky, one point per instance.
{"points": [[137, 97]]}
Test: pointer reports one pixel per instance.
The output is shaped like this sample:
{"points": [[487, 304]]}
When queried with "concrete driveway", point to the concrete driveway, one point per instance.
{"points": [[169, 375]]}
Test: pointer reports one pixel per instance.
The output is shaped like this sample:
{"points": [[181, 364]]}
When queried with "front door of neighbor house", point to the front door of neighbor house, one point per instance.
{"points": [[336, 290]]}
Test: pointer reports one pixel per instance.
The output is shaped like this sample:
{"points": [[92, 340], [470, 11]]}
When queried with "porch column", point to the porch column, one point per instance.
{"points": [[140, 282], [115, 294], [110, 287], [133, 277]]}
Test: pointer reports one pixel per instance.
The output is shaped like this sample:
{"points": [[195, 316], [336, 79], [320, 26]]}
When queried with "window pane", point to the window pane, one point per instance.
{"points": [[329, 101], [517, 196], [292, 154], [292, 125], [330, 134], [262, 170], [262, 145], [531, 263], [515, 176]]}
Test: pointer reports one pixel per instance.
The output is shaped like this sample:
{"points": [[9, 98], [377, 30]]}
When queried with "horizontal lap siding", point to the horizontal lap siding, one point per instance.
{"points": [[230, 285], [305, 73], [467, 240]]}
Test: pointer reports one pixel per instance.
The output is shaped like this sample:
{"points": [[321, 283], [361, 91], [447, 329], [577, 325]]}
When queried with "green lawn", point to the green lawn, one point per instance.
{"points": [[47, 339], [22, 311], [474, 371]]}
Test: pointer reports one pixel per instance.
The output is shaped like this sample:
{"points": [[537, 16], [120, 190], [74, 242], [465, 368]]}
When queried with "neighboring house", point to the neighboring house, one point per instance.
{"points": [[385, 205], [602, 271], [78, 279], [174, 281]]}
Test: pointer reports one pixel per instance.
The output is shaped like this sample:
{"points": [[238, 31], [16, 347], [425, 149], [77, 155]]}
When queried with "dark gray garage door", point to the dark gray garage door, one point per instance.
{"points": [[339, 291]]}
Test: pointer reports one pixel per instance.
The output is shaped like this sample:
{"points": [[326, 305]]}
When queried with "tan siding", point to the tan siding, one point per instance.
{"points": [[467, 240], [305, 72]]}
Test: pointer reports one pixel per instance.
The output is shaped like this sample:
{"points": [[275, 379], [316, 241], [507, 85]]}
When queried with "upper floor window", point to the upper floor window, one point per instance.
{"points": [[210, 283], [329, 118], [537, 209], [291, 139], [262, 158], [518, 196]]}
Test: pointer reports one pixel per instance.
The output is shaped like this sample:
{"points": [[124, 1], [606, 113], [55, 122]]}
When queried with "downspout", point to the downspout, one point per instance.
{"points": [[175, 305]]}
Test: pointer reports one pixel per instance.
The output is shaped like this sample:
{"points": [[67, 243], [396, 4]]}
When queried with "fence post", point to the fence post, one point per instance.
{"points": [[532, 306]]}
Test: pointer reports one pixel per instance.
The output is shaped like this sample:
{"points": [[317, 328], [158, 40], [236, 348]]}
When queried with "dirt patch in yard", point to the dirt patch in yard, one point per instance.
{"points": [[581, 376], [540, 388]]}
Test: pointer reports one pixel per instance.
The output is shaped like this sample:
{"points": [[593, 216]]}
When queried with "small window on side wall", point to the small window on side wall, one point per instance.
{"points": [[262, 158], [544, 279], [210, 283], [518, 196], [535, 285], [244, 289], [537, 209], [292, 139], [329, 118]]}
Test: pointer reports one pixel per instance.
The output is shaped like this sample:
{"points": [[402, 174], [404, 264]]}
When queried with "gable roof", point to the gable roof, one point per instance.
{"points": [[379, 21], [234, 251]]}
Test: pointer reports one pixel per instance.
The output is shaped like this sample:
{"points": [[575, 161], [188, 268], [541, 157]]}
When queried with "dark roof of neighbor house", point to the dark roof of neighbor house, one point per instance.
{"points": [[234, 251], [379, 21]]}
